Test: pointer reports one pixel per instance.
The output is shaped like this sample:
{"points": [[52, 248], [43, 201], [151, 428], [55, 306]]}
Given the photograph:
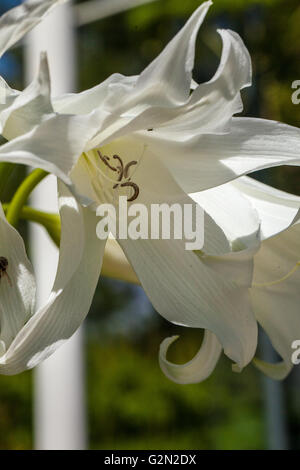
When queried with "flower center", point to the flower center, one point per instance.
{"points": [[123, 172], [108, 172]]}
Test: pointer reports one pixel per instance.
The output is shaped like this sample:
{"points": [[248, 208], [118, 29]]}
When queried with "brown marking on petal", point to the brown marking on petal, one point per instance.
{"points": [[119, 168], [123, 173], [135, 188], [104, 159], [126, 169]]}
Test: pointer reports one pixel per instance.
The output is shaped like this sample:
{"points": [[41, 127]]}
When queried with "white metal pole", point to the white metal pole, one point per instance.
{"points": [[275, 406], [59, 382], [93, 10]]}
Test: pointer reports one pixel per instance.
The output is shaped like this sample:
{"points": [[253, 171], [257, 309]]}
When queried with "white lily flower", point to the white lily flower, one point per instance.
{"points": [[171, 141], [275, 290]]}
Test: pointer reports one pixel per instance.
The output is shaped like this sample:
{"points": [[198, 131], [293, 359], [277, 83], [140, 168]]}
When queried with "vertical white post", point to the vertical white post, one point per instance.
{"points": [[275, 407], [59, 382]]}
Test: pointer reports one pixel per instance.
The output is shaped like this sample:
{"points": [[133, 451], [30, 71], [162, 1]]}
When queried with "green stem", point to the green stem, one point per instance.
{"points": [[22, 194], [51, 222]]}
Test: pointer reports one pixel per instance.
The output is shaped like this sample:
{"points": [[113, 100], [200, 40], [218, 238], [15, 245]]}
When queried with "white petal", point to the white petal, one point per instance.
{"points": [[79, 268], [159, 92], [212, 104], [235, 265], [55, 145], [232, 211], [208, 109], [19, 20], [183, 288], [276, 295], [164, 83], [22, 111], [7, 98], [17, 287], [276, 209], [278, 371], [168, 77], [88, 100], [196, 370], [192, 293], [210, 160], [141, 102]]}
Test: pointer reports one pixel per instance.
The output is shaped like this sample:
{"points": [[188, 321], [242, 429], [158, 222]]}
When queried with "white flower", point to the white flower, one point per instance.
{"points": [[174, 142], [275, 292]]}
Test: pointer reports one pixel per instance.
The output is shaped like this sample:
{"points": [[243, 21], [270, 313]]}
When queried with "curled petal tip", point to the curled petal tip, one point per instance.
{"points": [[236, 368]]}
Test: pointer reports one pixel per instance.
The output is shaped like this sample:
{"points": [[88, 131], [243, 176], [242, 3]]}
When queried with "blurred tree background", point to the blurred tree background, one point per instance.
{"points": [[131, 405]]}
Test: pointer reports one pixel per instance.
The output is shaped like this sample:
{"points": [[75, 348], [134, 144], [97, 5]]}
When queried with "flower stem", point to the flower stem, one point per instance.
{"points": [[22, 194], [51, 222]]}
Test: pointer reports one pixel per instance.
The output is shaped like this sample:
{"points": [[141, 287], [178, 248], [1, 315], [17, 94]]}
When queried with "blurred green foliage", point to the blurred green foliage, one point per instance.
{"points": [[16, 412], [171, 8], [131, 404]]}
